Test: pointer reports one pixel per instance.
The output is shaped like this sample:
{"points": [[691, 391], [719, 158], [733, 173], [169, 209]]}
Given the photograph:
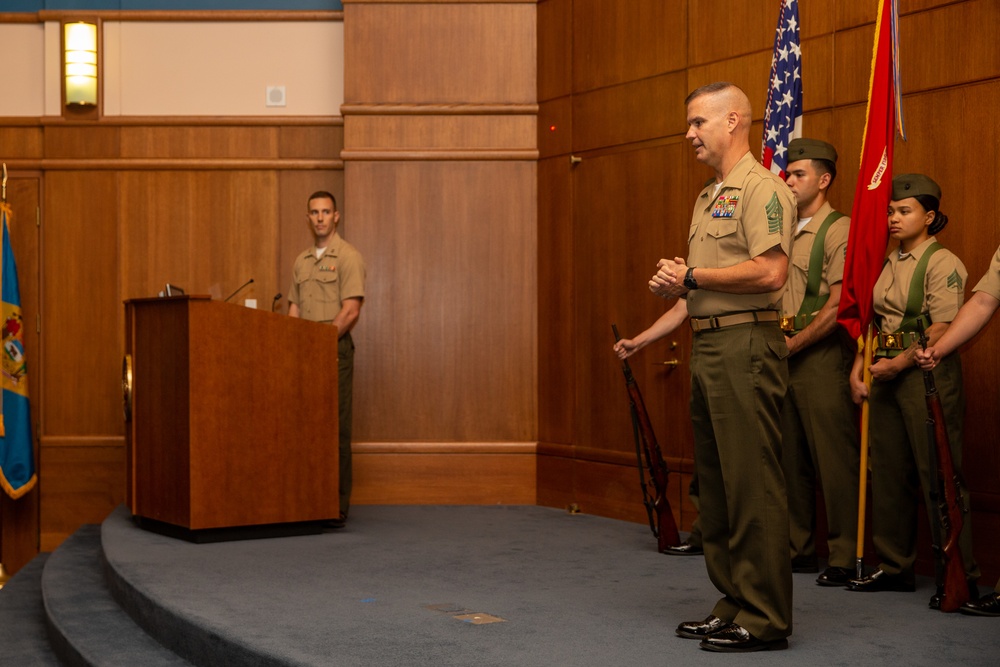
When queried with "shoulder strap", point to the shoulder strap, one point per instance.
{"points": [[812, 301], [915, 298]]}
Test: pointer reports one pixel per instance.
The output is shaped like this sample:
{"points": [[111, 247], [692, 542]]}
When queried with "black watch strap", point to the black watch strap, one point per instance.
{"points": [[689, 281]]}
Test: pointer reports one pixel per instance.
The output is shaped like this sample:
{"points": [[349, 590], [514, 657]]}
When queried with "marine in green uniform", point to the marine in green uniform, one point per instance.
{"points": [[920, 280], [972, 317], [818, 420], [328, 285], [738, 245]]}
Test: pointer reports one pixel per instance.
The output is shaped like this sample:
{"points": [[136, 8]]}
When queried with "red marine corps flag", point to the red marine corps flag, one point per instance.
{"points": [[869, 232]]}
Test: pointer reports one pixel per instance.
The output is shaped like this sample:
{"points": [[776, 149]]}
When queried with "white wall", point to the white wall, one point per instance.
{"points": [[184, 68], [22, 48]]}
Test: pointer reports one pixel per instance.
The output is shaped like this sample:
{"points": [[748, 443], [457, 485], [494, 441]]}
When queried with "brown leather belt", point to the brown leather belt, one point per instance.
{"points": [[720, 321]]}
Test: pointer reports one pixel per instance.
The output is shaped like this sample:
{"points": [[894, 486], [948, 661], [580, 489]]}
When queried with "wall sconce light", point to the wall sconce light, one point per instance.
{"points": [[80, 58]]}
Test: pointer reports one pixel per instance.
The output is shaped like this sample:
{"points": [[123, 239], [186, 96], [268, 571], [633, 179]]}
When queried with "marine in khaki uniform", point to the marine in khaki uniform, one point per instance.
{"points": [[818, 419], [739, 240], [972, 317], [920, 280], [328, 285]]}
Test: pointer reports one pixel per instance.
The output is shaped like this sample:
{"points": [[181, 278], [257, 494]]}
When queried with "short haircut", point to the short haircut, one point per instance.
{"points": [[322, 194]]}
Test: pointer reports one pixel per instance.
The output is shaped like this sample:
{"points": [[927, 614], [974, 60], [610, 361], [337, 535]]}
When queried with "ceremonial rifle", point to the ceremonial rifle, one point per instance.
{"points": [[650, 458], [946, 494]]}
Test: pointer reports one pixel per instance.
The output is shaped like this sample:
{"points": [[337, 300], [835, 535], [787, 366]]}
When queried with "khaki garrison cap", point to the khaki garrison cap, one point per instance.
{"points": [[811, 149], [911, 185]]}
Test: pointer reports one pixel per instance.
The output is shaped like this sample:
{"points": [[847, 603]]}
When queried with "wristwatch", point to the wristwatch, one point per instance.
{"points": [[689, 281]]}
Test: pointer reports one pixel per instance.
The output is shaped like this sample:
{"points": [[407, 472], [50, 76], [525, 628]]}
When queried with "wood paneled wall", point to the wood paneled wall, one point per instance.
{"points": [[127, 205], [441, 175], [612, 80]]}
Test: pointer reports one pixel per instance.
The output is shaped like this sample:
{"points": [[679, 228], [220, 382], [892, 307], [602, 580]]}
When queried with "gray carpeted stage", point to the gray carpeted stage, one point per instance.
{"points": [[434, 585]]}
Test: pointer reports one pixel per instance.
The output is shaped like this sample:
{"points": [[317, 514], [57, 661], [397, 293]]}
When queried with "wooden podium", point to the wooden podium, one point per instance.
{"points": [[231, 419]]}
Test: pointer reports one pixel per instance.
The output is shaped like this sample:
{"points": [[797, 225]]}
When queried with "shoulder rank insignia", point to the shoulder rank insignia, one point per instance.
{"points": [[725, 206], [774, 211], [955, 281]]}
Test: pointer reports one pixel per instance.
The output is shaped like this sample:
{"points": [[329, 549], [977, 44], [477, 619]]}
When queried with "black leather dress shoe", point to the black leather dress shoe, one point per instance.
{"points": [[835, 576], [700, 629], [684, 549], [804, 564], [736, 639], [880, 580], [988, 605]]}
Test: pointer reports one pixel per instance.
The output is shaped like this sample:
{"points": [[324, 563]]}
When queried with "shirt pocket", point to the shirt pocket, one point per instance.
{"points": [[723, 232]]}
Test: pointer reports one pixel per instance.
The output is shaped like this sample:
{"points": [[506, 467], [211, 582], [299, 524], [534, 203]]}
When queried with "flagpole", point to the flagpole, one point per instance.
{"points": [[859, 565]]}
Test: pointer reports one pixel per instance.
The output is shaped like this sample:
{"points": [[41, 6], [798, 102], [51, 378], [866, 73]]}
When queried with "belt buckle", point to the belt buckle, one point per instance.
{"points": [[787, 324]]}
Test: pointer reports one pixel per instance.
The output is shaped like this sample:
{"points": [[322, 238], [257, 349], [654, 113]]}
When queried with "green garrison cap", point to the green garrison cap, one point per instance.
{"points": [[811, 149], [911, 185]]}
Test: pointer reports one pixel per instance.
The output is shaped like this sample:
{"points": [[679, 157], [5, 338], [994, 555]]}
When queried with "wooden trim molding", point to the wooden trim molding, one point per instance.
{"points": [[438, 2], [432, 155], [167, 164], [137, 15], [81, 441], [444, 447], [437, 109], [593, 455], [177, 121]]}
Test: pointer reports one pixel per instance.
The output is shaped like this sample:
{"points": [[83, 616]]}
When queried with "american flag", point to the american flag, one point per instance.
{"points": [[783, 115]]}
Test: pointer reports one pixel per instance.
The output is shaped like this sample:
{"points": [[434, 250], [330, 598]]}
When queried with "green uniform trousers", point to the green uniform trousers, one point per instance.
{"points": [[819, 440], [901, 462], [738, 380], [345, 382]]}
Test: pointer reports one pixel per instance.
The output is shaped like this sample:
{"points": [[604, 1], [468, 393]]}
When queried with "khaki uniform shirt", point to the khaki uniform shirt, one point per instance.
{"points": [[320, 285], [834, 249], [990, 282], [944, 287], [752, 212]]}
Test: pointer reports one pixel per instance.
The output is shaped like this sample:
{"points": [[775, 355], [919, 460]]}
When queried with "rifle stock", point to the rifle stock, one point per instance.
{"points": [[946, 495], [650, 459]]}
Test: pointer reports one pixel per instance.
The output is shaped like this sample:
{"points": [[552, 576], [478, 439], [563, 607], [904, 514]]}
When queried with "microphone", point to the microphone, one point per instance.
{"points": [[238, 289], [274, 303]]}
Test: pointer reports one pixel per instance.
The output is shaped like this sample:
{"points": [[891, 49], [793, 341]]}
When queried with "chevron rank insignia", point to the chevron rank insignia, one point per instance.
{"points": [[774, 212], [955, 281]]}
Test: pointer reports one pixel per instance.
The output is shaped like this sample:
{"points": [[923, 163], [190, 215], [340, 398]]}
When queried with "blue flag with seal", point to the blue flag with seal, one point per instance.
{"points": [[17, 456]]}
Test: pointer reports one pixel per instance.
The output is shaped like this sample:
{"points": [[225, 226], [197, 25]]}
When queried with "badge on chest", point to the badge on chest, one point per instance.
{"points": [[725, 206]]}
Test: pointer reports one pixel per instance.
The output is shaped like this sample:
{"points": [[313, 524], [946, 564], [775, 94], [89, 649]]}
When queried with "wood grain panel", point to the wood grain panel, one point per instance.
{"points": [[852, 13], [723, 29], [617, 42], [555, 37], [88, 141], [321, 142], [645, 109], [649, 216], [556, 264], [81, 485], [201, 142], [446, 343], [208, 232], [21, 142], [440, 132], [931, 57], [440, 53], [555, 127], [443, 479], [81, 305]]}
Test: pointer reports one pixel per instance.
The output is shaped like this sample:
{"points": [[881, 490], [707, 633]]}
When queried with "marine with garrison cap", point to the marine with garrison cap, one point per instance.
{"points": [[818, 420]]}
